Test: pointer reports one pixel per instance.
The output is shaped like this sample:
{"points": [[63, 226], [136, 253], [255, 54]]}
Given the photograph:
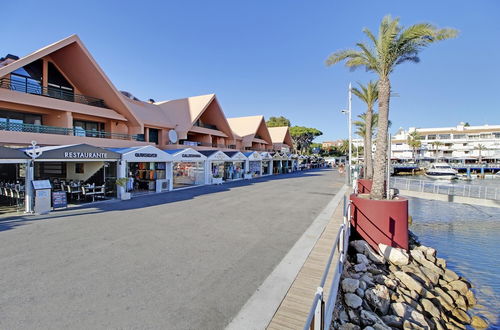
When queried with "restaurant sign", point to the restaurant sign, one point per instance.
{"points": [[191, 155], [80, 155]]}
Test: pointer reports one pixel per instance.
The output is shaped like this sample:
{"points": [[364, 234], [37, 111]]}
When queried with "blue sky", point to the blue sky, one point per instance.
{"points": [[267, 57]]}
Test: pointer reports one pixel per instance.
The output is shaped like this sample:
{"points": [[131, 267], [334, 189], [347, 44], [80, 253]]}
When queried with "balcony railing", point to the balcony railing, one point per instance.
{"points": [[31, 128], [200, 124], [36, 88]]}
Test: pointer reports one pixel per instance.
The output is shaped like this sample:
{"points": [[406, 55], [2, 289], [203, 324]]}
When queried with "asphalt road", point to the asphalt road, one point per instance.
{"points": [[183, 260]]}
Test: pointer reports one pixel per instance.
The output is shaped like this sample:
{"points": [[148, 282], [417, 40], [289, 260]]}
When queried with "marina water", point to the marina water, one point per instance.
{"points": [[468, 237]]}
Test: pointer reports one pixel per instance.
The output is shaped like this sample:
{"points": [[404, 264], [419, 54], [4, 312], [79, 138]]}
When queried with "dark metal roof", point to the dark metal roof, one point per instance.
{"points": [[10, 153]]}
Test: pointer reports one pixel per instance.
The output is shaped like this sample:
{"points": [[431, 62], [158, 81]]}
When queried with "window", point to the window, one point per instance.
{"points": [[79, 168], [431, 137], [496, 135], [474, 136], [486, 136], [11, 117], [87, 128], [58, 86], [445, 136], [459, 136], [154, 135]]}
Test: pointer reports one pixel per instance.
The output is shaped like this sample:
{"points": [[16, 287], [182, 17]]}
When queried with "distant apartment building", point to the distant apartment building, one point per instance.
{"points": [[461, 143], [329, 144]]}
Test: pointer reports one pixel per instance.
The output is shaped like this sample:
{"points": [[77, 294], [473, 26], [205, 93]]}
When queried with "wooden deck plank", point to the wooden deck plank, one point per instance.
{"points": [[293, 310]]}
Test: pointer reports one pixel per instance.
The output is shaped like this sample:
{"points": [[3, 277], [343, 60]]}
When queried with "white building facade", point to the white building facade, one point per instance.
{"points": [[461, 143]]}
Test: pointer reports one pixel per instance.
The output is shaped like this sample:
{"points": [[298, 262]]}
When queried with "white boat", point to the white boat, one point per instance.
{"points": [[441, 171]]}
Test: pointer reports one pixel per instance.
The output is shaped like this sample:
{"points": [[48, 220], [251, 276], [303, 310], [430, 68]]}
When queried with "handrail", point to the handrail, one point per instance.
{"points": [[321, 312], [36, 88], [74, 131], [451, 189]]}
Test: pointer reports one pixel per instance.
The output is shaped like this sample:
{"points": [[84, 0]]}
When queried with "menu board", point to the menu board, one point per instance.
{"points": [[59, 199]]}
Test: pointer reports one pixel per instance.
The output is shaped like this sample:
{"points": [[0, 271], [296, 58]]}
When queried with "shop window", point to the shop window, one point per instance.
{"points": [[79, 168]]}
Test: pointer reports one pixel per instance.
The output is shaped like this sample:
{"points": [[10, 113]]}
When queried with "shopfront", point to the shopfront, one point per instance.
{"points": [[267, 163], [295, 162], [147, 169], [217, 166], [236, 168], [12, 179], [254, 163], [188, 168], [84, 172], [278, 167]]}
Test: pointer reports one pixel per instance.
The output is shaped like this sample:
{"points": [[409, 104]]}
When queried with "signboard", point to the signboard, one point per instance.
{"points": [[191, 155], [59, 199], [42, 201], [41, 184], [85, 155], [144, 154]]}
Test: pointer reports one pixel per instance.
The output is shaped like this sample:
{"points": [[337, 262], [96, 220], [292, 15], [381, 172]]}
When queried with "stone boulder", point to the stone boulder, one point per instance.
{"points": [[349, 326], [460, 286], [379, 298], [450, 275], [352, 300], [393, 321], [420, 258], [362, 259], [395, 256], [349, 285], [363, 247], [478, 322], [410, 282], [410, 314]]}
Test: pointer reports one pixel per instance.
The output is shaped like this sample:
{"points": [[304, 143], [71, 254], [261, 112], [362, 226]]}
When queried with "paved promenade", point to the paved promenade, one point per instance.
{"points": [[183, 260]]}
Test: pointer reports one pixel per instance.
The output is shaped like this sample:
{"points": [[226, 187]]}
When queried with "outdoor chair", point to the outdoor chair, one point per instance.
{"points": [[87, 192]]}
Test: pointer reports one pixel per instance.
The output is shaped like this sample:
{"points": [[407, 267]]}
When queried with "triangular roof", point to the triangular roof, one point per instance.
{"points": [[215, 155], [236, 155], [144, 154], [186, 154], [183, 113], [253, 155], [248, 127], [281, 135], [73, 58]]}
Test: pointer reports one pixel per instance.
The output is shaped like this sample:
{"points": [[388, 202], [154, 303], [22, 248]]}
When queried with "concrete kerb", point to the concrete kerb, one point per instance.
{"points": [[262, 305]]}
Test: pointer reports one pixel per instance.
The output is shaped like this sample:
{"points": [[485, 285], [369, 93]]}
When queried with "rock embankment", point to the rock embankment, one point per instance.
{"points": [[396, 289]]}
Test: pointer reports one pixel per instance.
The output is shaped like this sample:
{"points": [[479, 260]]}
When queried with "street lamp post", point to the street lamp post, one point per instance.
{"points": [[349, 121]]}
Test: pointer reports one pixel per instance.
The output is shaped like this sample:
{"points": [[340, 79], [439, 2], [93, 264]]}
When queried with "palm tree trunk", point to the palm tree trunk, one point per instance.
{"points": [[380, 164], [368, 144]]}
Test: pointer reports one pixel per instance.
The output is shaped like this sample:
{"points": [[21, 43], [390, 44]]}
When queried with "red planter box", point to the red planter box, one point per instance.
{"points": [[364, 186], [381, 221]]}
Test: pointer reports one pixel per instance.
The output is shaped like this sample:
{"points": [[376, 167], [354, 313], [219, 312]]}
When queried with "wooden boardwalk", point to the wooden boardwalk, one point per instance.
{"points": [[294, 308]]}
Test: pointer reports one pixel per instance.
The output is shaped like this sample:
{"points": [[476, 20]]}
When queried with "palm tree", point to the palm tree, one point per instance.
{"points": [[436, 145], [369, 95], [394, 45], [414, 143], [480, 147]]}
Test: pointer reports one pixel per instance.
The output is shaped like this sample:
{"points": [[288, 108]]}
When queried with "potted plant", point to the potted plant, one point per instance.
{"points": [[375, 217], [247, 175], [122, 191], [217, 179]]}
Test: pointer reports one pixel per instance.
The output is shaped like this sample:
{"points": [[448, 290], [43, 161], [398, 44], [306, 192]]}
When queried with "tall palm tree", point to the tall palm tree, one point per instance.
{"points": [[394, 45], [369, 95], [414, 143], [480, 148]]}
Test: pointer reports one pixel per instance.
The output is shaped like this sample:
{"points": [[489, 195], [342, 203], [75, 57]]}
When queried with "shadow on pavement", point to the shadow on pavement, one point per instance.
{"points": [[138, 202]]}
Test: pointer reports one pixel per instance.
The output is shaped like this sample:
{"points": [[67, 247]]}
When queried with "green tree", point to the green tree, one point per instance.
{"points": [[278, 122], [394, 45], [414, 142], [369, 95], [302, 137]]}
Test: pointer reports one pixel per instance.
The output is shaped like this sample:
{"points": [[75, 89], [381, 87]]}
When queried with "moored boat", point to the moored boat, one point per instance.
{"points": [[441, 171]]}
